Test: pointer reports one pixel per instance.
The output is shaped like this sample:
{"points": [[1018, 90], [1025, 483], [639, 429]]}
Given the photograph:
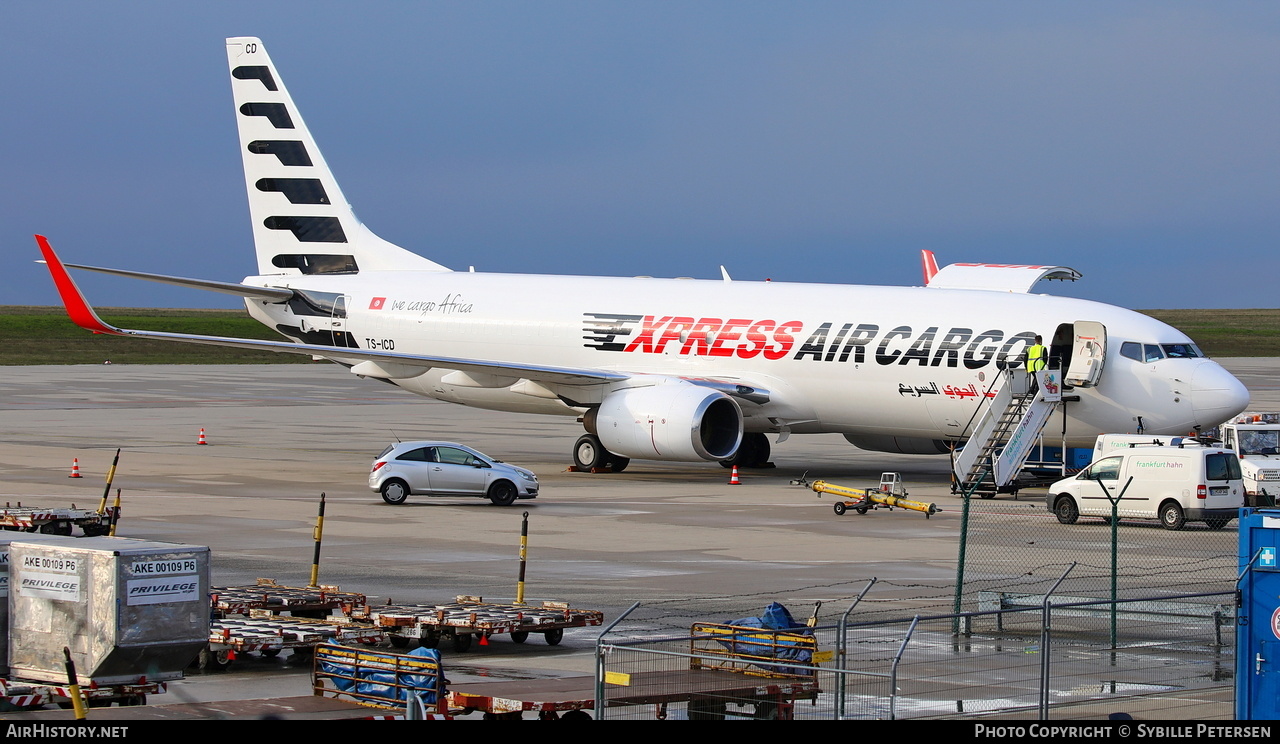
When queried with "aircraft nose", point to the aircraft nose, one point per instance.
{"points": [[1216, 394]]}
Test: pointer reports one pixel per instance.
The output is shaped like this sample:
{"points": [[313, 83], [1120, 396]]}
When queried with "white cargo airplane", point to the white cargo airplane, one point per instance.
{"points": [[663, 369]]}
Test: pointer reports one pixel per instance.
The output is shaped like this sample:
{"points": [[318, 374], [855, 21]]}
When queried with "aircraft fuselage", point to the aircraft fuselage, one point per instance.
{"points": [[857, 360]]}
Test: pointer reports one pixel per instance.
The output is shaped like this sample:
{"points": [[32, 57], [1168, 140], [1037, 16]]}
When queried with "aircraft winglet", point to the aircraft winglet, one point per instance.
{"points": [[78, 308]]}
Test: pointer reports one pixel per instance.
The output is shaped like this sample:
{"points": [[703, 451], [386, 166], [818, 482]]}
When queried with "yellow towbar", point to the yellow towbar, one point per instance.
{"points": [[862, 500]]}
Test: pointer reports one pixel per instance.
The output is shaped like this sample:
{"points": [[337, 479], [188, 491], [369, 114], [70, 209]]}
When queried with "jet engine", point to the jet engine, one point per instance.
{"points": [[898, 445], [670, 422]]}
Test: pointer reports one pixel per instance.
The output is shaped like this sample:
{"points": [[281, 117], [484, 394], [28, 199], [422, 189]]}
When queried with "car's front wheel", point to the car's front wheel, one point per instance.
{"points": [[503, 493], [1065, 509], [395, 491]]}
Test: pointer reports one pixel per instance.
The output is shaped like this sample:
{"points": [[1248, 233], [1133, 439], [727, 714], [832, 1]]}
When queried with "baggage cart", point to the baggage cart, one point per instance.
{"points": [[760, 672], [381, 679]]}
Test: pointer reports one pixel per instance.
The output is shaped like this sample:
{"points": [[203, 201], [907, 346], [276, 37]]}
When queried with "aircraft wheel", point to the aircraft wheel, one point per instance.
{"points": [[839, 507], [1065, 509], [589, 454], [503, 493], [395, 491], [619, 464], [1171, 516], [762, 450]]}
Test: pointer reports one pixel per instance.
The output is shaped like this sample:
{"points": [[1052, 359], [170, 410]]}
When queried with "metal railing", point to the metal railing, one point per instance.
{"points": [[1035, 658]]}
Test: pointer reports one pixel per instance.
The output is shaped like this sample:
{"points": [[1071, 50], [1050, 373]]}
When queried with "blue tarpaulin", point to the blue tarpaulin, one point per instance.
{"points": [[775, 617], [383, 678]]}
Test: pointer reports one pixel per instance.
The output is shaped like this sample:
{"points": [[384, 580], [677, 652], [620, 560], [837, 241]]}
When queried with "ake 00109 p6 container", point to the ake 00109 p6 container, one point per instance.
{"points": [[131, 611]]}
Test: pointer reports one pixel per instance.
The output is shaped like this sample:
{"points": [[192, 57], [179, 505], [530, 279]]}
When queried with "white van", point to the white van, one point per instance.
{"points": [[1172, 483]]}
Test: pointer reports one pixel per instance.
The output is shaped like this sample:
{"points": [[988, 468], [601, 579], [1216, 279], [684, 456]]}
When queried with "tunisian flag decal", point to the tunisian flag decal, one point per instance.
{"points": [[377, 302]]}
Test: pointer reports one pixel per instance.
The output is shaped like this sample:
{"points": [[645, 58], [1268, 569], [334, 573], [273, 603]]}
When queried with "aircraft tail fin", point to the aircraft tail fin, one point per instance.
{"points": [[302, 223], [929, 264]]}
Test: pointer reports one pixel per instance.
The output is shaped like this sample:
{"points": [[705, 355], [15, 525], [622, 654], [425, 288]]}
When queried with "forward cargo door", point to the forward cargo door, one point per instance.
{"points": [[1088, 352]]}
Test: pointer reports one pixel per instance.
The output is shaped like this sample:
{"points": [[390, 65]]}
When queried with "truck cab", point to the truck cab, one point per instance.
{"points": [[1255, 438]]}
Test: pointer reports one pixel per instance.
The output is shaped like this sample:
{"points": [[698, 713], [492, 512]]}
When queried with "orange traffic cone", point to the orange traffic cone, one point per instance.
{"points": [[75, 468], [733, 479], [201, 440]]}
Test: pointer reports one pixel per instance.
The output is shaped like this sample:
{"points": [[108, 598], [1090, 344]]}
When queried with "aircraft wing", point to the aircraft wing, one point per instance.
{"points": [[83, 315], [273, 294]]}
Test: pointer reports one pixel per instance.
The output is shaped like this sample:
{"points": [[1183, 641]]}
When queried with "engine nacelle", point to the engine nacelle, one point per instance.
{"points": [[670, 422], [898, 445]]}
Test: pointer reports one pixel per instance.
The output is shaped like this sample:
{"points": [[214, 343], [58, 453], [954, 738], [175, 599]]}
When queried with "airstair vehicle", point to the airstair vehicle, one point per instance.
{"points": [[1019, 404]]}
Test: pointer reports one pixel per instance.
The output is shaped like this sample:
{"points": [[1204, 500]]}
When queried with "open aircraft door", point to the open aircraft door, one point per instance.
{"points": [[1088, 352]]}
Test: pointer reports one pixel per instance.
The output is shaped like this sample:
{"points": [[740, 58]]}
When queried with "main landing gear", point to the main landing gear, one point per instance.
{"points": [[589, 456], [752, 453]]}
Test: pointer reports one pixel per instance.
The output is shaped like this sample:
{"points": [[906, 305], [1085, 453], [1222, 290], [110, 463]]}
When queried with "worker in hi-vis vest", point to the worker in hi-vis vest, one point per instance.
{"points": [[1036, 355]]}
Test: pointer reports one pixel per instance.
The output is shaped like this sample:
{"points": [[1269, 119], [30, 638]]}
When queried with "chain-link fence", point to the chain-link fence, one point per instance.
{"points": [[1019, 546], [1164, 656]]}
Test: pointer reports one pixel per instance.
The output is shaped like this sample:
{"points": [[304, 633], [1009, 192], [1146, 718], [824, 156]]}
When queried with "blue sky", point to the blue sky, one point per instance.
{"points": [[803, 141]]}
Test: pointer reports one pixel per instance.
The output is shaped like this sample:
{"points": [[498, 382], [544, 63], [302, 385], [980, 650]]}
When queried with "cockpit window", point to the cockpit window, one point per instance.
{"points": [[1149, 353]]}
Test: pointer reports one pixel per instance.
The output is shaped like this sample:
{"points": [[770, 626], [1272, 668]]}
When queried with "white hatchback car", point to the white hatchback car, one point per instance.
{"points": [[409, 469]]}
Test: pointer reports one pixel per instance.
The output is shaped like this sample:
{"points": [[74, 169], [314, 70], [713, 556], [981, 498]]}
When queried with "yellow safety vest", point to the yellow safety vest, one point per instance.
{"points": [[1035, 358]]}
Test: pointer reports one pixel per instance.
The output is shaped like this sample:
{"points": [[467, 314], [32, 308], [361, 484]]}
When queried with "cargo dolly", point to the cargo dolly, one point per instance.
{"points": [[16, 694], [268, 635], [890, 494], [459, 622], [760, 672], [53, 521], [312, 601], [248, 619]]}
